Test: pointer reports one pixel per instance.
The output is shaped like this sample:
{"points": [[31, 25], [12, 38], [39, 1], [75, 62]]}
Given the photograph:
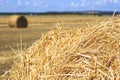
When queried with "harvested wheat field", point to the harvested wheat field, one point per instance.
{"points": [[86, 53]]}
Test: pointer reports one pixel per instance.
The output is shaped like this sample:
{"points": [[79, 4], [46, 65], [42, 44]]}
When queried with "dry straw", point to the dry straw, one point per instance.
{"points": [[18, 21], [89, 53]]}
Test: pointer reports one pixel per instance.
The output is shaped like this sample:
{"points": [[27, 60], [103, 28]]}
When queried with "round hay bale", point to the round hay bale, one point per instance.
{"points": [[18, 21]]}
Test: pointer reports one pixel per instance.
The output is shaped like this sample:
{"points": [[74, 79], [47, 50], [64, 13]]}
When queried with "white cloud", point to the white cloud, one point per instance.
{"points": [[27, 3], [36, 3], [101, 3], [83, 3], [2, 2], [39, 3], [19, 2], [7, 1], [74, 5], [114, 1]]}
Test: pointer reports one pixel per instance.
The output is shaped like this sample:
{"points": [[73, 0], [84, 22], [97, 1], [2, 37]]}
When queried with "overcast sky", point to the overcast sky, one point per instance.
{"points": [[58, 5]]}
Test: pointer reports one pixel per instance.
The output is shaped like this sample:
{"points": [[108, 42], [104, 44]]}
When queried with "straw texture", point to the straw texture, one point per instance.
{"points": [[86, 53]]}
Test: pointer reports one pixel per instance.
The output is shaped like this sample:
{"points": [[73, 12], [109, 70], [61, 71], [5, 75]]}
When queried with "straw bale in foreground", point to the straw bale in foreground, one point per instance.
{"points": [[69, 54]]}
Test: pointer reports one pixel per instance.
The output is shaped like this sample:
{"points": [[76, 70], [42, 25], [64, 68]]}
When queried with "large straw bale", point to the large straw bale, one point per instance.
{"points": [[18, 21], [89, 53]]}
